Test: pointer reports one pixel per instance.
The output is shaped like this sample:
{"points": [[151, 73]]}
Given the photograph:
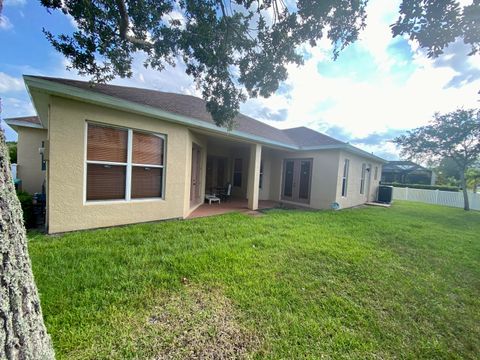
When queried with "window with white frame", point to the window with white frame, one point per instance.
{"points": [[362, 179], [123, 164], [346, 165]]}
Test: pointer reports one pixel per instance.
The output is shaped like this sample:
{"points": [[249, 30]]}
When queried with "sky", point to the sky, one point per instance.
{"points": [[377, 89]]}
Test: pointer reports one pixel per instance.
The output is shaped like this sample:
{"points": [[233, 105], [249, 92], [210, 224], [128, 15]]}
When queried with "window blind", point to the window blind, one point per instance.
{"points": [[105, 182], [107, 144], [146, 182], [147, 149]]}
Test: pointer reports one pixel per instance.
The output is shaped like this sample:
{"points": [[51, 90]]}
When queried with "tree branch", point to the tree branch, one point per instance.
{"points": [[124, 22], [124, 25]]}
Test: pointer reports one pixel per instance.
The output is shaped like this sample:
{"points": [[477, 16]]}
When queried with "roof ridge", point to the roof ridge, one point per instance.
{"points": [[194, 107], [71, 82]]}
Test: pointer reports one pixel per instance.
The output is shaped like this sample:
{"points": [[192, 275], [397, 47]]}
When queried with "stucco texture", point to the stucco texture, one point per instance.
{"points": [[67, 209], [324, 176], [354, 197], [29, 161]]}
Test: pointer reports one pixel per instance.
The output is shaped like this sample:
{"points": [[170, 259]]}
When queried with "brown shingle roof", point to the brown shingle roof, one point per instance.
{"points": [[28, 119], [303, 136], [185, 105], [193, 107]]}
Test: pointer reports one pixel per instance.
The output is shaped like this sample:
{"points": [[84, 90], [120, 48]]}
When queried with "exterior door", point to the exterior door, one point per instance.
{"points": [[304, 179], [195, 184], [297, 178], [288, 179]]}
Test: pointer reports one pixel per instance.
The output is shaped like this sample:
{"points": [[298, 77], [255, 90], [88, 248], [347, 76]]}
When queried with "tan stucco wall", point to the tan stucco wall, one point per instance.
{"points": [[201, 141], [67, 210], [29, 160], [268, 174], [324, 182], [354, 197], [327, 174]]}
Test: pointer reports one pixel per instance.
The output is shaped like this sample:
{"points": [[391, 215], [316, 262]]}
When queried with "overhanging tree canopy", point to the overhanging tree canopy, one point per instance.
{"points": [[237, 48]]}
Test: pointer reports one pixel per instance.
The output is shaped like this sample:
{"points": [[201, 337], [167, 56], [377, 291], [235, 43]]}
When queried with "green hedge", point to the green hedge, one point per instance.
{"points": [[422, 186], [26, 200]]}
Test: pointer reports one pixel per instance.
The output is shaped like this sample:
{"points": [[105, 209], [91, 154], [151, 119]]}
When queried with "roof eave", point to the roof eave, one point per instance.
{"points": [[18, 123], [69, 91], [345, 147]]}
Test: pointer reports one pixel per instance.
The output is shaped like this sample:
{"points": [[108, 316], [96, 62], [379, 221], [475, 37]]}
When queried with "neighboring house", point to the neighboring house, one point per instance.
{"points": [[119, 155], [30, 165], [407, 172]]}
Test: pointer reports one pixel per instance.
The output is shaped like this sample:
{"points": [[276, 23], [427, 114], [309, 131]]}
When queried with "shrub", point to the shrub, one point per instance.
{"points": [[422, 186], [26, 201], [12, 151]]}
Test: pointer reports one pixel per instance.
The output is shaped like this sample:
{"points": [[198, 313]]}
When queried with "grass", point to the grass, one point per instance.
{"points": [[402, 282]]}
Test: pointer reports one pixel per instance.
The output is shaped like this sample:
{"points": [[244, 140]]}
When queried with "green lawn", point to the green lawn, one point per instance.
{"points": [[402, 282]]}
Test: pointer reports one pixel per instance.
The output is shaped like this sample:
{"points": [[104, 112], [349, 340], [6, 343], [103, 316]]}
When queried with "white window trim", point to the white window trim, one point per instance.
{"points": [[345, 177], [129, 164], [362, 179]]}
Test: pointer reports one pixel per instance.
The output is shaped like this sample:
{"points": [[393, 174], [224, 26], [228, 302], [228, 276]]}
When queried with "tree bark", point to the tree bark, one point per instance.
{"points": [[22, 332], [466, 205]]}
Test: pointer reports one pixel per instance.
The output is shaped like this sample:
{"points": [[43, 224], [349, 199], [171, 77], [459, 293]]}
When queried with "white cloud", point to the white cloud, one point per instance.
{"points": [[10, 84], [14, 107], [5, 23], [171, 79], [361, 107], [357, 106]]}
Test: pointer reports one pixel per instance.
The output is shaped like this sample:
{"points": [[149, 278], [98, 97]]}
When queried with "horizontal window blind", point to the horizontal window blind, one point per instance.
{"points": [[146, 182], [107, 144], [147, 149], [112, 153], [105, 182]]}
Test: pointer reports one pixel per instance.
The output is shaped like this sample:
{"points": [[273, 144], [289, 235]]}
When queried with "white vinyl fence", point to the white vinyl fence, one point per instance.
{"points": [[14, 171], [438, 197]]}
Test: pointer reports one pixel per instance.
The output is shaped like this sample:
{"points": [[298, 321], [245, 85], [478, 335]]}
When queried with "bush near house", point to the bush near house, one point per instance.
{"points": [[26, 201], [12, 151], [422, 186], [364, 283]]}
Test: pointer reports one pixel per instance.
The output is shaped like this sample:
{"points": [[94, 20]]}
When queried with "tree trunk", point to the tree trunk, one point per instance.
{"points": [[22, 332], [466, 205]]}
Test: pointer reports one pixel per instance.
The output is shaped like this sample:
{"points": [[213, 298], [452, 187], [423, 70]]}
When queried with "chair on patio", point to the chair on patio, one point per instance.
{"points": [[225, 193]]}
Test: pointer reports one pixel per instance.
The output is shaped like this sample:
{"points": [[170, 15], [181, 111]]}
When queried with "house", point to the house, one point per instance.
{"points": [[407, 172], [118, 155], [31, 168]]}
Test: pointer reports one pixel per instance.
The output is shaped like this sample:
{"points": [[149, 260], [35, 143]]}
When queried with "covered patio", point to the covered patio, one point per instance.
{"points": [[233, 205], [239, 173]]}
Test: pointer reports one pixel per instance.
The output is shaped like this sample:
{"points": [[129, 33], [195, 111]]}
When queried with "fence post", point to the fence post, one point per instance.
{"points": [[436, 196], [406, 193]]}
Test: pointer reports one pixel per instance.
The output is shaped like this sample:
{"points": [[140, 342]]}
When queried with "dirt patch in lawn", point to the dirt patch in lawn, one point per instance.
{"points": [[197, 324]]}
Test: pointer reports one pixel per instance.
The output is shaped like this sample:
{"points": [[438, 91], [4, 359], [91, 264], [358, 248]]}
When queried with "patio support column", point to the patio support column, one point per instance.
{"points": [[254, 175]]}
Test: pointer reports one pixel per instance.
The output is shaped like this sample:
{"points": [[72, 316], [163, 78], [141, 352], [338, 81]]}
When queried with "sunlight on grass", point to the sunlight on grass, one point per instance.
{"points": [[402, 282]]}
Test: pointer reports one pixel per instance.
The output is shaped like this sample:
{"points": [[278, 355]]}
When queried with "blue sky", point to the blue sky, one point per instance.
{"points": [[378, 88]]}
